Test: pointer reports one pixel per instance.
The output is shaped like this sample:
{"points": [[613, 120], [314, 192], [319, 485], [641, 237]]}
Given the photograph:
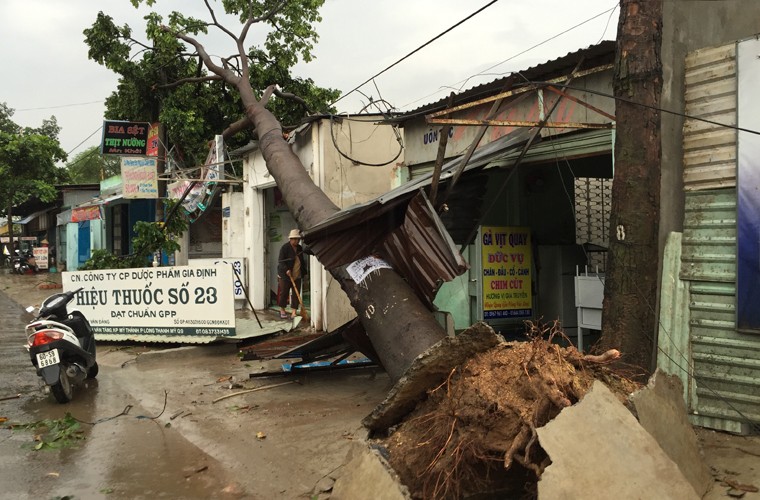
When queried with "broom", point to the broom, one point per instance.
{"points": [[304, 314]]}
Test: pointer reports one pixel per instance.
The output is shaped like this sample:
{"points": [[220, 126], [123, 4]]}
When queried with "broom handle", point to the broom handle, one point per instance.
{"points": [[295, 289]]}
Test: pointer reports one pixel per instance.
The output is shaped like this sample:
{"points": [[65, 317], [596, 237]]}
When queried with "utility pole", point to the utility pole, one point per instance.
{"points": [[629, 316]]}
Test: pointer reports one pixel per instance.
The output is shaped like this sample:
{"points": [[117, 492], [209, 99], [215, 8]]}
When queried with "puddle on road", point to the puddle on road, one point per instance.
{"points": [[129, 456]]}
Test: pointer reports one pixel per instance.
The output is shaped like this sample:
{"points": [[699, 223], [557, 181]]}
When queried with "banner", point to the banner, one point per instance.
{"points": [[202, 193], [81, 214], [124, 138], [748, 188], [139, 177], [156, 301], [507, 272]]}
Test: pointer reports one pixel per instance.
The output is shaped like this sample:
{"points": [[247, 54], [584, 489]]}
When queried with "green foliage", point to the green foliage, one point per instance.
{"points": [[54, 434], [90, 167], [28, 159], [150, 238], [194, 112]]}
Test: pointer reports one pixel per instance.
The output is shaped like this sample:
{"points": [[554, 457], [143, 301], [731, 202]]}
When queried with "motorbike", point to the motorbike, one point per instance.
{"points": [[24, 263], [61, 346]]}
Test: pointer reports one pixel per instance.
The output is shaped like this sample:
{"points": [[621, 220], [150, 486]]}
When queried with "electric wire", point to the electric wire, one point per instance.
{"points": [[415, 51], [461, 83], [358, 162], [61, 106], [85, 140]]}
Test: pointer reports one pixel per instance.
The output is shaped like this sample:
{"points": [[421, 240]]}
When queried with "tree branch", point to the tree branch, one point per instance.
{"points": [[236, 127], [226, 74], [244, 33], [193, 79], [216, 23], [267, 94], [293, 97]]}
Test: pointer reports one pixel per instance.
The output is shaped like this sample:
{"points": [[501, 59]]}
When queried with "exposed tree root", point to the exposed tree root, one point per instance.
{"points": [[479, 434]]}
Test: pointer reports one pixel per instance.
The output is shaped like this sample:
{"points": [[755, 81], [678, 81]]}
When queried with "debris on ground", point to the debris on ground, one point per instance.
{"points": [[476, 431]]}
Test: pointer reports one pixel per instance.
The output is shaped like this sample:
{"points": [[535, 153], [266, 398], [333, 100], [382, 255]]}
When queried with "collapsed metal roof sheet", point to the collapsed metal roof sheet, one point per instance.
{"points": [[404, 228]]}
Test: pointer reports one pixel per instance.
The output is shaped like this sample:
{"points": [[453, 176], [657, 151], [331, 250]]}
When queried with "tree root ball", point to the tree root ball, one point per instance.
{"points": [[475, 434]]}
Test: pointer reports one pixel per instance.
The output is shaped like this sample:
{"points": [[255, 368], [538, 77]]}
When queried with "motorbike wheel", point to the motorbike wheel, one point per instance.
{"points": [[62, 390], [93, 371]]}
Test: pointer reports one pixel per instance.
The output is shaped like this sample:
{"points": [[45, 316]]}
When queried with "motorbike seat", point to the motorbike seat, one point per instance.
{"points": [[77, 322]]}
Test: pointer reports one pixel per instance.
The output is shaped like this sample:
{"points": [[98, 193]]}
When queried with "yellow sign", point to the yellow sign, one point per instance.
{"points": [[507, 272]]}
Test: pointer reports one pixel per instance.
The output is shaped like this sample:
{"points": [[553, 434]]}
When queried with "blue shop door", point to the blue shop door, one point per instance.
{"points": [[83, 244]]}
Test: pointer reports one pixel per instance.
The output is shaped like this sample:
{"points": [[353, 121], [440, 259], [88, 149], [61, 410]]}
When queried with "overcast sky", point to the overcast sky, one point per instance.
{"points": [[47, 72]]}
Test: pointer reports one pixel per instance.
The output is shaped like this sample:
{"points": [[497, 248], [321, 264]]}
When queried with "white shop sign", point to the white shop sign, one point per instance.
{"points": [[168, 301], [41, 257], [238, 264]]}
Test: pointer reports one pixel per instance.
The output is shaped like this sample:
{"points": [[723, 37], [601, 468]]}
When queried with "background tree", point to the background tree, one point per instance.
{"points": [[630, 291], [91, 167], [152, 74], [396, 321], [28, 159]]}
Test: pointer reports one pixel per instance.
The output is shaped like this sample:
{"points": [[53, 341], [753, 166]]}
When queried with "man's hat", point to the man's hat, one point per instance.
{"points": [[295, 233]]}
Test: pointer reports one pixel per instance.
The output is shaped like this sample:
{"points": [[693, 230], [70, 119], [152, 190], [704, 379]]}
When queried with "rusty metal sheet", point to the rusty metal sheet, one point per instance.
{"points": [[518, 123], [596, 56], [422, 251], [409, 235]]}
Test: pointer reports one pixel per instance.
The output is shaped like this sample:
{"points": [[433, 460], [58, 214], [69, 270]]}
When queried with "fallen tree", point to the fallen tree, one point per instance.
{"points": [[398, 323]]}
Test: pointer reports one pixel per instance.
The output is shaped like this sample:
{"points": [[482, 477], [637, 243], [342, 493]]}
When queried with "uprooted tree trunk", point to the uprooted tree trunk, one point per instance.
{"points": [[396, 321]]}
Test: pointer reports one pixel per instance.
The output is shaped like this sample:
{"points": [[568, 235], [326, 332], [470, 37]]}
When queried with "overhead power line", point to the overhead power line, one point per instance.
{"points": [[462, 83], [415, 50], [95, 132], [62, 106]]}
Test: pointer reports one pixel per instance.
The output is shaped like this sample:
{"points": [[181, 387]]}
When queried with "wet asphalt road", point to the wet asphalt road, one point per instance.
{"points": [[119, 457]]}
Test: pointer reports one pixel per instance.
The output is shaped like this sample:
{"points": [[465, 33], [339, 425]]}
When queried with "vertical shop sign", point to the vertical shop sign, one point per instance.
{"points": [[748, 188], [151, 148], [507, 263]]}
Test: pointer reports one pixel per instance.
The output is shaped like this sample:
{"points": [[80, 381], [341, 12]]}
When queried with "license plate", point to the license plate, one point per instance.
{"points": [[48, 358]]}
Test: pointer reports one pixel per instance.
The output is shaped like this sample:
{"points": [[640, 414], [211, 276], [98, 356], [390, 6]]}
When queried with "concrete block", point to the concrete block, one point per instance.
{"points": [[662, 412], [599, 450], [367, 475]]}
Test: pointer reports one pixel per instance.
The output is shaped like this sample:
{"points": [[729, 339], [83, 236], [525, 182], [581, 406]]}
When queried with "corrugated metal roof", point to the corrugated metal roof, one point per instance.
{"points": [[595, 55], [407, 233]]}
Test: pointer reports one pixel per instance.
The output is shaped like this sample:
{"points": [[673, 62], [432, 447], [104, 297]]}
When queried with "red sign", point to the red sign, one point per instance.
{"points": [[81, 214], [152, 147]]}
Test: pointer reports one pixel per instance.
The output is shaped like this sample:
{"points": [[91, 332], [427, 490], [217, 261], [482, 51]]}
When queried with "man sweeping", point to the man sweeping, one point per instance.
{"points": [[291, 267]]}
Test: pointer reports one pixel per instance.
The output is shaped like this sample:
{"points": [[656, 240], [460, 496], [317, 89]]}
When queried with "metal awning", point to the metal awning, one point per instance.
{"points": [[97, 201], [29, 218]]}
